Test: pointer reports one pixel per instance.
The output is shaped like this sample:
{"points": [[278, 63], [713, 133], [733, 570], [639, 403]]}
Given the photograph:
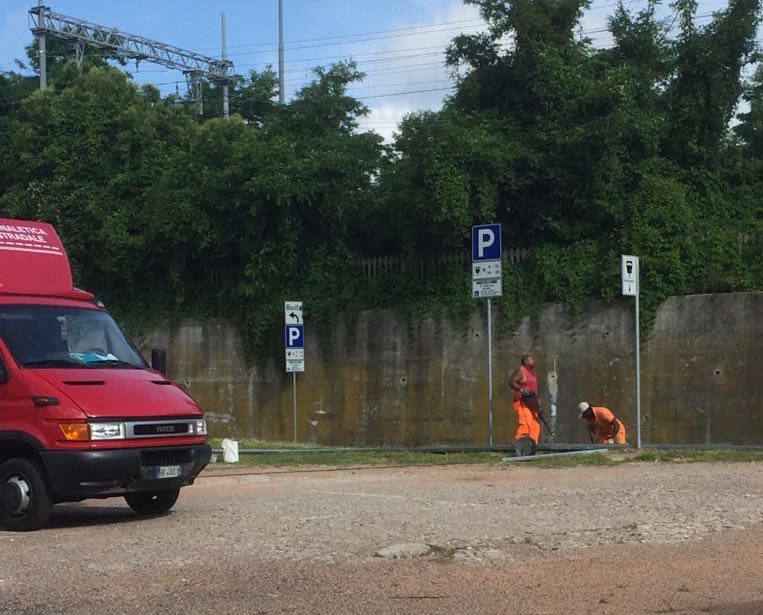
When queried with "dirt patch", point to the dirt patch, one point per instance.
{"points": [[633, 538]]}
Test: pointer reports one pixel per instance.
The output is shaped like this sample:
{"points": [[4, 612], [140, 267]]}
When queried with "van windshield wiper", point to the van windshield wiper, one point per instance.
{"points": [[113, 363], [55, 363]]}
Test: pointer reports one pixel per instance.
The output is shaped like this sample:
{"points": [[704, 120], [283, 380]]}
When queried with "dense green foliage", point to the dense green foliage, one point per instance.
{"points": [[581, 153]]}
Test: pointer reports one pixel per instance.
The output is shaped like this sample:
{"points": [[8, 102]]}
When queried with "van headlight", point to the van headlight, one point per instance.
{"points": [[200, 428], [107, 431]]}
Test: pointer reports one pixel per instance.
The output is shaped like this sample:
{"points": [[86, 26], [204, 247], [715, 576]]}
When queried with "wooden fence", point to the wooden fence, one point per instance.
{"points": [[380, 266]]}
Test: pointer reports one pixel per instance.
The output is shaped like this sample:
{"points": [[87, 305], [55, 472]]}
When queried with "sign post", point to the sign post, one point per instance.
{"points": [[630, 279], [294, 342], [486, 283]]}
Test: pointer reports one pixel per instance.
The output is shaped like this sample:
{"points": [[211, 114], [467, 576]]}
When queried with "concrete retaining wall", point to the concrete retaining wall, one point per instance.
{"points": [[702, 375]]}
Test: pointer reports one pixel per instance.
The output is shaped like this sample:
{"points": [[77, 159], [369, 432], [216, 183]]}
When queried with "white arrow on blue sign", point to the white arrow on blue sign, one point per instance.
{"points": [[486, 242], [294, 336]]}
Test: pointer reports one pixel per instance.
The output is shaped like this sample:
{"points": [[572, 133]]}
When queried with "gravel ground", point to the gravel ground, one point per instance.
{"points": [[634, 538]]}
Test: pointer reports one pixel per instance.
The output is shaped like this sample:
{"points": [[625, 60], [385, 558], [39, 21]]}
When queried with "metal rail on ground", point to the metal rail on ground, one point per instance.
{"points": [[545, 446], [592, 451]]}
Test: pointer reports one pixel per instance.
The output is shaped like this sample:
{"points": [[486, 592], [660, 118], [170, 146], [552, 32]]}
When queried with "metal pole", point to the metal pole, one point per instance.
{"points": [[226, 110], [490, 371], [42, 58], [553, 393], [596, 451], [638, 375], [281, 90], [294, 392]]}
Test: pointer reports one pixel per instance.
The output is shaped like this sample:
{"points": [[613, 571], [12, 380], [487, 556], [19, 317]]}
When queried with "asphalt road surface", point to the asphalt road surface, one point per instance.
{"points": [[634, 538]]}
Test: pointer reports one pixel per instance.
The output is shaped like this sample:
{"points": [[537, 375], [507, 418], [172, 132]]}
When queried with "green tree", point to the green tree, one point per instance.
{"points": [[581, 153], [701, 98]]}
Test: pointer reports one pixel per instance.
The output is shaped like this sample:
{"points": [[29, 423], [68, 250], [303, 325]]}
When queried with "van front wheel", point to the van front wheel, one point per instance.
{"points": [[152, 502], [25, 502]]}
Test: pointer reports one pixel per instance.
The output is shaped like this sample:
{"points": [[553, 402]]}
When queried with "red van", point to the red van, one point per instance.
{"points": [[81, 413]]}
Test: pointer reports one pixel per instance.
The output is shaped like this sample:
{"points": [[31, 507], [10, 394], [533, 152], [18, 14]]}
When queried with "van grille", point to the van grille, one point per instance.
{"points": [[160, 429], [163, 429]]}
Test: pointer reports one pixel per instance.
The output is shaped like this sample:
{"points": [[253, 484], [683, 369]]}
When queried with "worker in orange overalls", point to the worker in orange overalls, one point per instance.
{"points": [[525, 386], [603, 426]]}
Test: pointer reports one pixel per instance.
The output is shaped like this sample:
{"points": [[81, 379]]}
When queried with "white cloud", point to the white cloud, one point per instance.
{"points": [[408, 72], [384, 118]]}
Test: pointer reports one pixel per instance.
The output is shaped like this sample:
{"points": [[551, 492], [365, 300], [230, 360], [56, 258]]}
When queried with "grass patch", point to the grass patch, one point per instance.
{"points": [[276, 444], [595, 459], [666, 456], [296, 457], [350, 458], [694, 455]]}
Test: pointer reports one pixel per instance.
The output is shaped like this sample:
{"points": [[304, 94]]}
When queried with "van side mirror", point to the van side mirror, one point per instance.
{"points": [[159, 360], [4, 375]]}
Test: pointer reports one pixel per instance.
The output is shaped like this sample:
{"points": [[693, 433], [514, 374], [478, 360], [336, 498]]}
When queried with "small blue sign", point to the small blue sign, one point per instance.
{"points": [[294, 336], [486, 242]]}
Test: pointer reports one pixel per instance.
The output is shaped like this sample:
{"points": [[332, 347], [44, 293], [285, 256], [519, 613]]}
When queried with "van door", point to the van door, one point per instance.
{"points": [[17, 410]]}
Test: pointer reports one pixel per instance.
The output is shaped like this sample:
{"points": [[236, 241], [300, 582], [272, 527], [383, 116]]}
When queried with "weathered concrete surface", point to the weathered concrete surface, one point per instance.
{"points": [[389, 384], [704, 370]]}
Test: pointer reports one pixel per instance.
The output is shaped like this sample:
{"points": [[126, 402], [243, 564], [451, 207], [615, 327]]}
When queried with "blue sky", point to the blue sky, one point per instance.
{"points": [[398, 43]]}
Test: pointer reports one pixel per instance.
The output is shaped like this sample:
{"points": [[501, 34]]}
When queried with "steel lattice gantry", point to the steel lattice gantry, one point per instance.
{"points": [[196, 67]]}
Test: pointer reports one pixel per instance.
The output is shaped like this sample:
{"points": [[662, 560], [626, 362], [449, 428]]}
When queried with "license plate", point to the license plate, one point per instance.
{"points": [[167, 471]]}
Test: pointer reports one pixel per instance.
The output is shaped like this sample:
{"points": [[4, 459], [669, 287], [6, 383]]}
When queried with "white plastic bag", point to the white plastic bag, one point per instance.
{"points": [[230, 451]]}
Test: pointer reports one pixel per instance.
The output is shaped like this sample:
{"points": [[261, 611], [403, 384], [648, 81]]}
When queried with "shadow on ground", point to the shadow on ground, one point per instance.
{"points": [[83, 515]]}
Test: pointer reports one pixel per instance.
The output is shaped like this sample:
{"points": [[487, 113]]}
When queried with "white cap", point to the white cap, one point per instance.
{"points": [[582, 407]]}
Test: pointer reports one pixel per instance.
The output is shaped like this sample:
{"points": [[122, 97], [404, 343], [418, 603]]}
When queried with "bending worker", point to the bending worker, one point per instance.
{"points": [[603, 425], [525, 386]]}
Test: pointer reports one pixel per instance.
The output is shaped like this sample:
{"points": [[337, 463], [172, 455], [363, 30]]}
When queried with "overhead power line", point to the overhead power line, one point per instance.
{"points": [[390, 63], [399, 69], [450, 87], [352, 42], [411, 30], [440, 51], [415, 30]]}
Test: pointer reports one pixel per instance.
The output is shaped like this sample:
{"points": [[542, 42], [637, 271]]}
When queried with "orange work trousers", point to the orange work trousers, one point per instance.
{"points": [[619, 437], [528, 422]]}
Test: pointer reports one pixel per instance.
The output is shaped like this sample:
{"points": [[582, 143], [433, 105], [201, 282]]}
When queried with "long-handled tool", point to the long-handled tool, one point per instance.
{"points": [[542, 417], [550, 431], [532, 401]]}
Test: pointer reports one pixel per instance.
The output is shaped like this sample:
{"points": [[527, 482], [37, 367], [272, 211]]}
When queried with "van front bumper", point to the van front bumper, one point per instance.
{"points": [[77, 475]]}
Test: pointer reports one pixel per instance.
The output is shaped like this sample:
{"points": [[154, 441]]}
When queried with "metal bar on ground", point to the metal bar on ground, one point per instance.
{"points": [[705, 447], [572, 446], [552, 447], [554, 455], [547, 446]]}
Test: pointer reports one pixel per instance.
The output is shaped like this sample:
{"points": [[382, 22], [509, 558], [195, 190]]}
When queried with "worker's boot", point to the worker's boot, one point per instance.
{"points": [[524, 447]]}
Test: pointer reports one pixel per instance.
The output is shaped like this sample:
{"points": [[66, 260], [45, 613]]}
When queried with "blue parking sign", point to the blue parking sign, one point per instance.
{"points": [[486, 242], [294, 336]]}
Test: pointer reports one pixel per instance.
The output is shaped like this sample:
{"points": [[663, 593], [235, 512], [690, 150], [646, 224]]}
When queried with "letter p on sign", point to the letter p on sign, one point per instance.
{"points": [[295, 337], [485, 239], [486, 242]]}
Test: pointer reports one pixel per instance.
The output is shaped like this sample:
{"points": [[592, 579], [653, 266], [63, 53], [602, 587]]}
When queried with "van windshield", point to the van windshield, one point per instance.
{"points": [[50, 336]]}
